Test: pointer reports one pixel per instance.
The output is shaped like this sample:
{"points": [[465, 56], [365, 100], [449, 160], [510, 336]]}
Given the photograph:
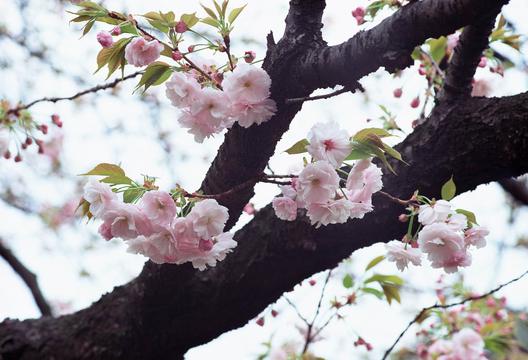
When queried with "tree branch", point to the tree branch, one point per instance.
{"points": [[517, 189], [447, 306], [391, 43], [28, 277], [144, 318], [465, 59], [75, 96]]}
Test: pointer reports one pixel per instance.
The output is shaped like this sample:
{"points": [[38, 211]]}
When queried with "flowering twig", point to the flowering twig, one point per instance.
{"points": [[226, 193], [309, 337], [446, 306], [75, 96], [28, 277], [357, 86]]}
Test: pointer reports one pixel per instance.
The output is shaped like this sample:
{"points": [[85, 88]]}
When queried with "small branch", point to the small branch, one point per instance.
{"points": [[224, 194], [517, 189], [75, 96], [296, 310], [446, 306], [465, 59], [28, 277], [397, 200], [358, 86], [309, 337]]}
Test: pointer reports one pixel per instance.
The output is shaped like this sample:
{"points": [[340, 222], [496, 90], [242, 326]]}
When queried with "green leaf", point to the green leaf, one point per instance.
{"points": [[159, 24], [81, 18], [117, 180], [218, 8], [374, 262], [155, 74], [105, 169], [298, 148], [359, 152], [373, 291], [132, 195], [437, 48], [117, 55], [448, 189], [469, 215], [210, 12], [88, 27], [392, 152], [385, 279], [348, 281], [417, 53], [391, 293], [190, 19], [367, 132], [210, 21], [233, 14], [103, 57]]}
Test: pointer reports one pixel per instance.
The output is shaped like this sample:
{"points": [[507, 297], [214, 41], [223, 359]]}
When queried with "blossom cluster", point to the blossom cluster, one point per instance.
{"points": [[445, 236], [208, 110], [156, 229], [318, 187]]}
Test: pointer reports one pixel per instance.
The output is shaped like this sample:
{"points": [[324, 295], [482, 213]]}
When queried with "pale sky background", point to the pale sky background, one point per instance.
{"points": [[105, 128]]}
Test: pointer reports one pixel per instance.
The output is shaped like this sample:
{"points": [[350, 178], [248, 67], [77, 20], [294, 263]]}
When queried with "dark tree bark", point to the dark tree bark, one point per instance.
{"points": [[169, 309]]}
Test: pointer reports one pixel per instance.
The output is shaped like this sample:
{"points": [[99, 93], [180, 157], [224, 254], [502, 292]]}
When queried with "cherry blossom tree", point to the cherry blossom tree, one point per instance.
{"points": [[353, 191]]}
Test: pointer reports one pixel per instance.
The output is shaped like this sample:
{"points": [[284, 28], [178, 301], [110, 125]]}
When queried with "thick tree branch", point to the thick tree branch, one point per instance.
{"points": [[465, 59], [517, 189], [391, 43], [28, 277], [164, 311]]}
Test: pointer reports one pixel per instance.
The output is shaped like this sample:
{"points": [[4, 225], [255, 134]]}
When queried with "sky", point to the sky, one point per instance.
{"points": [[75, 266]]}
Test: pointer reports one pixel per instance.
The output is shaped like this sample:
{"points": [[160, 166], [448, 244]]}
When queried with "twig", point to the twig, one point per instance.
{"points": [[395, 199], [226, 193], [297, 310], [311, 324], [75, 96], [27, 276], [446, 306], [357, 86]]}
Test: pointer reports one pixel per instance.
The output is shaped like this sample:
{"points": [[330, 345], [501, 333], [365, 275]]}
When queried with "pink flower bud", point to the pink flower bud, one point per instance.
{"points": [[483, 61], [105, 39], [274, 313], [116, 31], [7, 154], [24, 146], [249, 209], [29, 141], [397, 92], [415, 102], [55, 119], [190, 48], [312, 282], [43, 128], [421, 71], [260, 321], [249, 56], [403, 218], [358, 12], [369, 346], [18, 158], [176, 55], [181, 27]]}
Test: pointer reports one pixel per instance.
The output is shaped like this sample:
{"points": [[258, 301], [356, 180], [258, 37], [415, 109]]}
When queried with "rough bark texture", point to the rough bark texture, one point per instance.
{"points": [[169, 309]]}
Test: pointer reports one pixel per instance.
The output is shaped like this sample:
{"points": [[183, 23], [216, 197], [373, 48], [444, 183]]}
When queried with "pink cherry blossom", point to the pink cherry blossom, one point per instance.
{"points": [[476, 236], [402, 254], [159, 207], [358, 210], [429, 214], [182, 90], [329, 142], [468, 345], [444, 247], [285, 208], [99, 195], [317, 183], [105, 230], [440, 347], [208, 218], [248, 113], [457, 222], [247, 84], [208, 115], [140, 52], [158, 247], [223, 244], [126, 221], [363, 180], [105, 39], [331, 212]]}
